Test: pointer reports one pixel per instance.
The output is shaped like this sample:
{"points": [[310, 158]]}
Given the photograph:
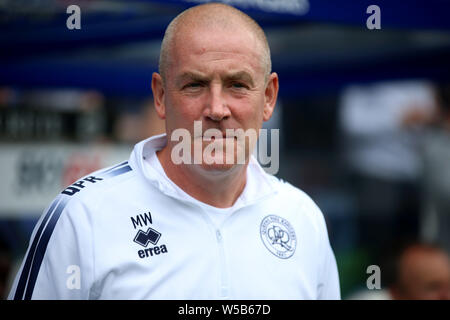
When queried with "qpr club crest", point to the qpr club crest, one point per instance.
{"points": [[278, 236]]}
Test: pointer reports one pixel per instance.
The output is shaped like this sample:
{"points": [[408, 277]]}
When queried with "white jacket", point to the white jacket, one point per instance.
{"points": [[128, 232]]}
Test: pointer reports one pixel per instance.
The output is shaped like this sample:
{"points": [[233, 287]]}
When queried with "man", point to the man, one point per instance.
{"points": [[422, 272], [212, 226]]}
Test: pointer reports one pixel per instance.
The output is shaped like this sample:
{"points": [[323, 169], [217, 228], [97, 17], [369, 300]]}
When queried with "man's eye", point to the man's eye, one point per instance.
{"points": [[192, 85], [195, 84], [238, 85]]}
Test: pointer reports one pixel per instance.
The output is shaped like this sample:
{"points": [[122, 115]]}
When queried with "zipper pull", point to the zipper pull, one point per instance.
{"points": [[218, 236]]}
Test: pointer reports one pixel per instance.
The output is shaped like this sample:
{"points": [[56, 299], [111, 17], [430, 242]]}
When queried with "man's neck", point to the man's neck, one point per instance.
{"points": [[219, 189]]}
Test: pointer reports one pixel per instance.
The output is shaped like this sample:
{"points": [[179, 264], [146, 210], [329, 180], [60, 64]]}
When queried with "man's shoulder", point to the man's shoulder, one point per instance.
{"points": [[297, 199], [99, 184], [79, 203], [287, 190]]}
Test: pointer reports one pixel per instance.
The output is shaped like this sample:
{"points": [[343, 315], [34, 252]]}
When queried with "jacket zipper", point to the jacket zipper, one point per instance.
{"points": [[223, 290]]}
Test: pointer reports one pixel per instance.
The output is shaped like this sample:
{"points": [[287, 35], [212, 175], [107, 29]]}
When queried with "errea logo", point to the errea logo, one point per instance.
{"points": [[149, 236], [144, 238]]}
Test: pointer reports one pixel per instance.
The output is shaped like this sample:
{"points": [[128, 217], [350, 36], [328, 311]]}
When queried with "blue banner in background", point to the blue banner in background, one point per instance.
{"points": [[416, 14], [39, 51]]}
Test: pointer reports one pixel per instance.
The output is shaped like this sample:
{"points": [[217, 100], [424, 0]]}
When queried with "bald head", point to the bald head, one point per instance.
{"points": [[212, 16]]}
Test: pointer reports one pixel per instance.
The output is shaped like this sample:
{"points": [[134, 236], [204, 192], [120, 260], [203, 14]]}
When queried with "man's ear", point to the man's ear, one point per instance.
{"points": [[158, 95], [271, 94]]}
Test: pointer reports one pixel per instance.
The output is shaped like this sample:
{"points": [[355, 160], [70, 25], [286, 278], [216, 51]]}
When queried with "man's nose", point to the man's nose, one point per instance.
{"points": [[217, 107]]}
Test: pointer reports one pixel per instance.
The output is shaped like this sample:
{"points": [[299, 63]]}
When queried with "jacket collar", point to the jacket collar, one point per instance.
{"points": [[259, 184]]}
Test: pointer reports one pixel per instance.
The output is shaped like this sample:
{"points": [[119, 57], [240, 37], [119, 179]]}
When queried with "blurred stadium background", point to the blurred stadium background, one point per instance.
{"points": [[363, 114]]}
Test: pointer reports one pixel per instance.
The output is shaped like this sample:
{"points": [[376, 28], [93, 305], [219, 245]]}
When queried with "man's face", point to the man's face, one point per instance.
{"points": [[217, 77], [425, 276]]}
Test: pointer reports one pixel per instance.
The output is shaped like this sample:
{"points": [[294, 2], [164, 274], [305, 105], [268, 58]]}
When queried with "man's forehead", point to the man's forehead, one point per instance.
{"points": [[210, 54], [237, 74], [216, 36], [202, 50], [208, 63]]}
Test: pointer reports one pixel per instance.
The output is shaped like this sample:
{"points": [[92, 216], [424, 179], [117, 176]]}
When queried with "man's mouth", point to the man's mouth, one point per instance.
{"points": [[214, 138]]}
